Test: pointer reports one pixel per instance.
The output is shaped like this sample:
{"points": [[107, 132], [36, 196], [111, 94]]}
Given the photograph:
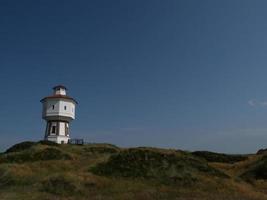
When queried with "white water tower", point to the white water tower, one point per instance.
{"points": [[58, 111]]}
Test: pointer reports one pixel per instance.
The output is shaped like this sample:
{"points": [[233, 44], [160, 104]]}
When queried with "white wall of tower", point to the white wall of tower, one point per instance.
{"points": [[57, 128], [63, 128], [58, 139], [58, 107]]}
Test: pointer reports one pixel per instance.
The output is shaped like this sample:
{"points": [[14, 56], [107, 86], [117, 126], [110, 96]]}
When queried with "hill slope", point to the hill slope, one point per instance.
{"points": [[44, 170]]}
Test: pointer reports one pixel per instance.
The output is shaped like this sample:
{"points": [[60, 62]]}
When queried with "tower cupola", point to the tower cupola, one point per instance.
{"points": [[60, 90]]}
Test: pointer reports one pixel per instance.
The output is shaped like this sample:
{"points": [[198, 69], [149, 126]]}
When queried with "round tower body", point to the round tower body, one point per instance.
{"points": [[58, 111]]}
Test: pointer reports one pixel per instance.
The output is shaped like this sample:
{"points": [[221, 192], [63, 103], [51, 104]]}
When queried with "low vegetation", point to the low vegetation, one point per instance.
{"points": [[154, 164], [20, 147], [219, 157], [60, 185], [262, 151], [45, 170], [32, 155], [256, 170]]}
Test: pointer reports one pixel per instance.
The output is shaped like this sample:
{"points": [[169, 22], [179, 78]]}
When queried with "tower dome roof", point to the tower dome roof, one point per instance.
{"points": [[60, 87]]}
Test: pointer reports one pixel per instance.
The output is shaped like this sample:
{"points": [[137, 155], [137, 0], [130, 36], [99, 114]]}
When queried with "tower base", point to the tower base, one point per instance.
{"points": [[58, 139], [57, 131]]}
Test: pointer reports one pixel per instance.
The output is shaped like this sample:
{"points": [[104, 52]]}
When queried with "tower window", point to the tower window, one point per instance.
{"points": [[53, 107], [66, 129], [65, 107], [53, 129]]}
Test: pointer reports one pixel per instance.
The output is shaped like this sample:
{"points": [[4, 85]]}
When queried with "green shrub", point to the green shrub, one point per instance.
{"points": [[30, 156], [48, 143], [145, 163], [109, 150], [219, 157], [257, 170], [20, 147], [28, 144], [51, 154]]}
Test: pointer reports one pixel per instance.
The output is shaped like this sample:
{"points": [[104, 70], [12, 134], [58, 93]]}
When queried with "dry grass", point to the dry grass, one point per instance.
{"points": [[36, 179]]}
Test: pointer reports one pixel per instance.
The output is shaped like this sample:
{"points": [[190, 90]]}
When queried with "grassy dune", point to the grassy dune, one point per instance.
{"points": [[44, 170]]}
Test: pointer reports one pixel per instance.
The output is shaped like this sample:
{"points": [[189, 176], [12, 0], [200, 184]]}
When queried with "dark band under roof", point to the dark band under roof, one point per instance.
{"points": [[59, 86], [58, 96]]}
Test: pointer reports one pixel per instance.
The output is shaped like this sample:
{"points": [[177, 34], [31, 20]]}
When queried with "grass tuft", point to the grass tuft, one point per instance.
{"points": [[60, 185], [15, 175]]}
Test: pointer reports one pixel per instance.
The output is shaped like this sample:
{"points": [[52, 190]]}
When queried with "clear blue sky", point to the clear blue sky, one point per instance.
{"points": [[181, 74]]}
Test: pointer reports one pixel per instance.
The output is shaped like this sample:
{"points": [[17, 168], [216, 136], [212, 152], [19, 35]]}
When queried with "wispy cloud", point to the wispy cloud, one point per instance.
{"points": [[253, 103], [264, 103]]}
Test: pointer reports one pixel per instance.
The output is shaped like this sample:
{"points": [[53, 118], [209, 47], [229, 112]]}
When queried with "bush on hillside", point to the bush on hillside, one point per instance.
{"points": [[20, 147], [261, 151], [51, 154], [101, 145], [219, 157], [257, 170], [100, 149], [151, 164], [38, 155], [48, 143], [28, 144]]}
